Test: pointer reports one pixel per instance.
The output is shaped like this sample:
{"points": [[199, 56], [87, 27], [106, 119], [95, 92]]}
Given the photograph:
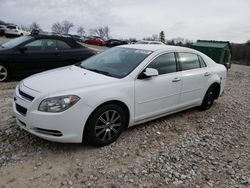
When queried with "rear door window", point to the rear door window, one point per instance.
{"points": [[202, 62], [189, 61], [63, 45], [41, 45]]}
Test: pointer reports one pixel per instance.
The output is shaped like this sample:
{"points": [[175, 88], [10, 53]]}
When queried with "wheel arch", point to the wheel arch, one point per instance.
{"points": [[7, 66], [217, 88], [117, 102]]}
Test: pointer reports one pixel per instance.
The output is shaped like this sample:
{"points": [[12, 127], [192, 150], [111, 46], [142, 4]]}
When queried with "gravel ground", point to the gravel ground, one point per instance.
{"points": [[187, 149]]}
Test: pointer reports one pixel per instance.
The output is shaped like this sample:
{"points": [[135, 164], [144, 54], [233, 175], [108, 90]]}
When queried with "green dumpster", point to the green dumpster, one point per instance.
{"points": [[219, 51]]}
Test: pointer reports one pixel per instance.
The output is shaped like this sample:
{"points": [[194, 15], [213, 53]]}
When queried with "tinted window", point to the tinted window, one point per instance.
{"points": [[164, 64], [15, 42], [189, 61], [116, 62], [50, 44], [35, 45], [42, 44], [202, 62], [63, 45], [11, 27]]}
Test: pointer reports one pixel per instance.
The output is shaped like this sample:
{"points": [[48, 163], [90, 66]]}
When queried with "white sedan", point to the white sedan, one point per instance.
{"points": [[121, 87]]}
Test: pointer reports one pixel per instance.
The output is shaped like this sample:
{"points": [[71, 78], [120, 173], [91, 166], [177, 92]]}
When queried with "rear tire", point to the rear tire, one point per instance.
{"points": [[4, 73], [208, 99], [105, 125]]}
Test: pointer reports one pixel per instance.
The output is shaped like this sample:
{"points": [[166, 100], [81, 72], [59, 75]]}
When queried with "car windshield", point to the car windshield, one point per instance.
{"points": [[15, 42], [116, 62]]}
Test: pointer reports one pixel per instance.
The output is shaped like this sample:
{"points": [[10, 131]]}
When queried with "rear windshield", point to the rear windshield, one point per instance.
{"points": [[11, 27]]}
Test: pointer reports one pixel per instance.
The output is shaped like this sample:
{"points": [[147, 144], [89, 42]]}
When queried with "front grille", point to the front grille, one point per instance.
{"points": [[25, 95], [48, 132], [21, 109]]}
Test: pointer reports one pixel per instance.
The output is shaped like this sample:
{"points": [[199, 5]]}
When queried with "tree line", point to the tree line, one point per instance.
{"points": [[240, 52], [65, 26]]}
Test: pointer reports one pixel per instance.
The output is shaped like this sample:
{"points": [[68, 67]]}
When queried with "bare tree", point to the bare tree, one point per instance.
{"points": [[102, 32], [57, 28], [67, 26], [62, 28], [25, 27], [34, 25], [155, 37], [81, 31]]}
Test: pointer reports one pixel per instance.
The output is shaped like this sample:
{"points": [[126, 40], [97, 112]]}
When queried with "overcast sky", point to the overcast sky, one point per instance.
{"points": [[191, 19]]}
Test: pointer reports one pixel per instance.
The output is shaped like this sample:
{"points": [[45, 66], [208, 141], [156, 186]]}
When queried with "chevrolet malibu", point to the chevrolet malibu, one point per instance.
{"points": [[121, 87]]}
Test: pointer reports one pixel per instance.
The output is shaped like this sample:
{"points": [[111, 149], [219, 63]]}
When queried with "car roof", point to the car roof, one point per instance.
{"points": [[66, 39], [156, 47]]}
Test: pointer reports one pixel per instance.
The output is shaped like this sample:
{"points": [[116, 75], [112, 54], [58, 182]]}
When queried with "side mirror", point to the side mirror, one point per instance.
{"points": [[148, 73], [23, 49]]}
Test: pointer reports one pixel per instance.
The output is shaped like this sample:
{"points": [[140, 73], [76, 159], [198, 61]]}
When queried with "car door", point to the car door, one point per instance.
{"points": [[160, 94], [69, 55], [195, 76], [37, 55]]}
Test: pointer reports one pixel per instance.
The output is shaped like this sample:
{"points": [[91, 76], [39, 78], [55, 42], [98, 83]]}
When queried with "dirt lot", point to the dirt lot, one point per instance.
{"points": [[188, 149]]}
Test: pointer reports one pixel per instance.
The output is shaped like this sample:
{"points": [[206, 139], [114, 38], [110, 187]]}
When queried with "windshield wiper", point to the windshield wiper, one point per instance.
{"points": [[101, 72], [98, 71]]}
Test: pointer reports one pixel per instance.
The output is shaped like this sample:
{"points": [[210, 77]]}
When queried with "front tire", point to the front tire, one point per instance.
{"points": [[105, 125], [208, 99], [4, 73]]}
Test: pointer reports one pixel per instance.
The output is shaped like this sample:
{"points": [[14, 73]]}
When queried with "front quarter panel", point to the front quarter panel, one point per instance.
{"points": [[94, 96]]}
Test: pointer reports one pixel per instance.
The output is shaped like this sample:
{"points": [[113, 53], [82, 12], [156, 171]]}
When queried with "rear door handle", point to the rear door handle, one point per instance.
{"points": [[207, 74], [176, 80]]}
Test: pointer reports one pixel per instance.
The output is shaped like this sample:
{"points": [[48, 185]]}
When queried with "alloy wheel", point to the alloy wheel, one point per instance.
{"points": [[3, 73], [210, 98], [108, 125]]}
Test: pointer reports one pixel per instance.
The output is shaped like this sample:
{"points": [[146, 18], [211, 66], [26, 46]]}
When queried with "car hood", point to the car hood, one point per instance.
{"points": [[66, 78]]}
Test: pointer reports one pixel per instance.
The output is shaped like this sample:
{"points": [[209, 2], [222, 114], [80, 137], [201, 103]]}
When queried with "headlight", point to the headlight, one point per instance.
{"points": [[58, 104]]}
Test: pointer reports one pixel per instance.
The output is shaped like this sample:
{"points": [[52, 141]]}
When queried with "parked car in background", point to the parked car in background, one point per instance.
{"points": [[15, 31], [3, 28], [84, 38], [74, 37], [115, 42], [119, 88], [149, 42], [32, 54], [98, 41]]}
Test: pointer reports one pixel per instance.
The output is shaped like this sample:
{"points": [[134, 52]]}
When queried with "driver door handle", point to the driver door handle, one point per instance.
{"points": [[176, 79], [207, 74]]}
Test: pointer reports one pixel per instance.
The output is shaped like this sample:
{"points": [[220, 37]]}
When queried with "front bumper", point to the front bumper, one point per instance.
{"points": [[66, 127]]}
